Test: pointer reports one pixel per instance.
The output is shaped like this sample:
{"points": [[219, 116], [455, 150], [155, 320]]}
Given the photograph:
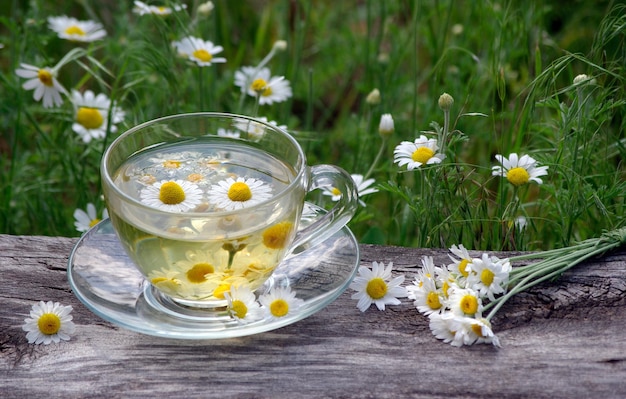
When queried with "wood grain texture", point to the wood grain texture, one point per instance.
{"points": [[565, 339]]}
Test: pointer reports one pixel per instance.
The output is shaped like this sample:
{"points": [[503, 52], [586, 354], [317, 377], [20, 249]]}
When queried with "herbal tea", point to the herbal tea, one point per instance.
{"points": [[202, 239]]}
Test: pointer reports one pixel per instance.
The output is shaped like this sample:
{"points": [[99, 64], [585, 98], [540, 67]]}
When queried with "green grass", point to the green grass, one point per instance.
{"points": [[508, 65]]}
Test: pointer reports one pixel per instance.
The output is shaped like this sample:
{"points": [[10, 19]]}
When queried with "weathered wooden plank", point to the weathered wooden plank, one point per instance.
{"points": [[560, 340]]}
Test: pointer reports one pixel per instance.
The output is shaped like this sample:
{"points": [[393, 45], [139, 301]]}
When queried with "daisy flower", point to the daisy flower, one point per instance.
{"points": [[242, 304], [426, 297], [44, 82], [480, 331], [231, 194], [280, 302], [142, 8], [254, 129], [49, 322], [278, 235], [363, 188], [423, 151], [259, 83], [444, 327], [376, 286], [86, 220], [197, 274], [199, 51], [77, 31], [91, 115], [172, 195], [459, 267], [465, 302], [228, 133], [489, 276], [458, 330], [519, 171]]}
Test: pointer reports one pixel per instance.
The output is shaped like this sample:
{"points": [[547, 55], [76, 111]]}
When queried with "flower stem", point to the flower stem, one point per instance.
{"points": [[555, 263]]}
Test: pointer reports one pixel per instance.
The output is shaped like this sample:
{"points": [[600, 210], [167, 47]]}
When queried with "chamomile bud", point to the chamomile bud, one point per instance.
{"points": [[386, 127], [373, 98], [445, 101], [206, 8], [280, 45]]}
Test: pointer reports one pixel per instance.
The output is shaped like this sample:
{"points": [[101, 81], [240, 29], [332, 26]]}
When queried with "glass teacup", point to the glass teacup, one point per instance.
{"points": [[205, 201]]}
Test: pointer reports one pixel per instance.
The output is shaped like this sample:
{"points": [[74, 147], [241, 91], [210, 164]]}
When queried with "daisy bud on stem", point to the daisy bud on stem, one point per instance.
{"points": [[373, 98]]}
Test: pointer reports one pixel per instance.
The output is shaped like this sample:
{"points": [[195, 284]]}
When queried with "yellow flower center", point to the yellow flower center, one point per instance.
{"points": [[194, 177], [335, 191], [445, 287], [239, 308], [469, 304], [198, 272], [94, 222], [75, 30], [171, 193], [260, 86], [239, 191], [376, 288], [517, 176], [279, 308], [275, 237], [462, 265], [422, 154], [432, 300], [220, 290], [478, 330], [486, 276], [202, 55], [49, 323], [45, 77], [90, 118], [171, 164]]}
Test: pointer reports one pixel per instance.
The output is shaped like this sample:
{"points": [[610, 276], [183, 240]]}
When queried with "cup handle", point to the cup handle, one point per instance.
{"points": [[328, 176]]}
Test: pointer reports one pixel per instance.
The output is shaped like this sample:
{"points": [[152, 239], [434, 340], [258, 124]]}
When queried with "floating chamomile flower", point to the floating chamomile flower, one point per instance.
{"points": [[377, 286], [197, 274], [242, 304], [172, 195], [423, 151], [277, 236], [199, 51], [44, 83], [363, 188], [91, 115], [49, 322], [280, 302], [519, 171], [259, 83], [86, 220], [142, 8], [77, 31], [231, 194]]}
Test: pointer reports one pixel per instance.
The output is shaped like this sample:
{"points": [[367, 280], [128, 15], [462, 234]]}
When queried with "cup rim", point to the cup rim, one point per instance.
{"points": [[127, 198]]}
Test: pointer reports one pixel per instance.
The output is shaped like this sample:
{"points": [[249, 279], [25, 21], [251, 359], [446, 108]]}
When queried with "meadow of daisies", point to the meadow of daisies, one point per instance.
{"points": [[496, 125]]}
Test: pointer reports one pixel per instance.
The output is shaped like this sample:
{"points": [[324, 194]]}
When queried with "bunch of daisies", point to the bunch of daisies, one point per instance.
{"points": [[453, 295]]}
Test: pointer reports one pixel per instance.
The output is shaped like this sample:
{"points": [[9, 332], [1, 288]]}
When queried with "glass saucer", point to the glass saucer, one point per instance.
{"points": [[105, 280]]}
